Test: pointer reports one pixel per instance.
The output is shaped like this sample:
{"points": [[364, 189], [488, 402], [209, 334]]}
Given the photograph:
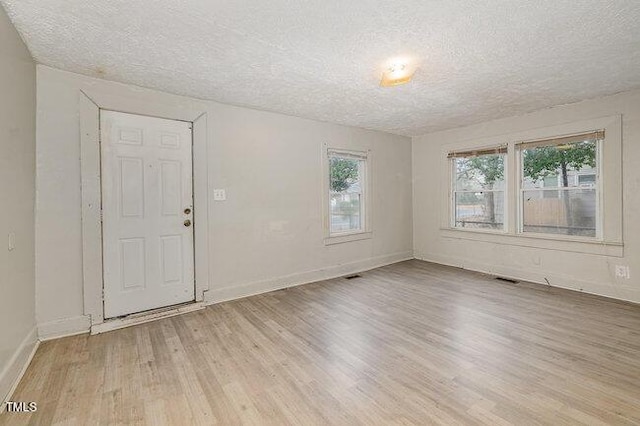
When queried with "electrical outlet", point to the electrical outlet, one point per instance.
{"points": [[219, 195], [622, 271]]}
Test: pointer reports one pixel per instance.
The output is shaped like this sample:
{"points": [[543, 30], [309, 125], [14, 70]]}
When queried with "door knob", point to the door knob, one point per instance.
{"points": [[187, 222], [187, 210]]}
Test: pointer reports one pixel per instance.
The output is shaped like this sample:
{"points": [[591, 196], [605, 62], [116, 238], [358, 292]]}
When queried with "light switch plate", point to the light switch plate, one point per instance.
{"points": [[11, 241], [219, 195]]}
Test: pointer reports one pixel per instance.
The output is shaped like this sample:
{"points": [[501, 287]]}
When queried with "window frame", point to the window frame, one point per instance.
{"points": [[519, 148], [364, 156]]}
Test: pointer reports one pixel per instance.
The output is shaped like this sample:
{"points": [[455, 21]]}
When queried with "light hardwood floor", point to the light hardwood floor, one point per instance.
{"points": [[410, 343]]}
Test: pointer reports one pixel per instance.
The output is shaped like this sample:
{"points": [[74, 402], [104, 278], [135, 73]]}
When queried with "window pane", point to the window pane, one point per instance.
{"points": [[479, 210], [345, 212], [478, 187], [566, 212], [480, 172], [558, 166], [346, 200], [571, 208]]}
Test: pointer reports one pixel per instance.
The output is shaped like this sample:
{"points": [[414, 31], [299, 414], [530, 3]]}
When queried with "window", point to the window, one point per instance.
{"points": [[478, 189], [347, 192], [559, 185], [535, 189]]}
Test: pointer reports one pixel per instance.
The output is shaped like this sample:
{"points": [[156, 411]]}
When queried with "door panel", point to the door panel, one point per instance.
{"points": [[146, 187], [132, 263], [131, 187], [171, 250]]}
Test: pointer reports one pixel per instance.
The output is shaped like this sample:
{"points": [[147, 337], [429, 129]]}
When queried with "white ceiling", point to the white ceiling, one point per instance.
{"points": [[322, 59]]}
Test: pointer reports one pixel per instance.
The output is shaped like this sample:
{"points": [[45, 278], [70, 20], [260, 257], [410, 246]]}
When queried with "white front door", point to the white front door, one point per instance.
{"points": [[147, 210]]}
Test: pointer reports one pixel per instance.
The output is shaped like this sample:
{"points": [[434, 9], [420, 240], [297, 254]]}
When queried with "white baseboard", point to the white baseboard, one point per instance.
{"points": [[13, 372], [539, 277], [264, 286], [64, 327], [82, 324]]}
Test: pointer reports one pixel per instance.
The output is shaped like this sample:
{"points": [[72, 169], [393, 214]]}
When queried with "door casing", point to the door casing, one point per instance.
{"points": [[90, 102]]}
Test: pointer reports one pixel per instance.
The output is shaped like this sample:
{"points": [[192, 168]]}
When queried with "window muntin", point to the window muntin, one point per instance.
{"points": [[559, 191], [347, 192], [479, 189]]}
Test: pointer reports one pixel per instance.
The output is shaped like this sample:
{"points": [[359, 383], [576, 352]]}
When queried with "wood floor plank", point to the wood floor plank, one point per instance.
{"points": [[410, 343]]}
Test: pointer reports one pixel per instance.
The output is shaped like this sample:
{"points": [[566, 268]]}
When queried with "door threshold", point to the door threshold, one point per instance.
{"points": [[146, 316]]}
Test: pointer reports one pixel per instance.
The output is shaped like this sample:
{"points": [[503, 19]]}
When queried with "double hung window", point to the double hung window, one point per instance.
{"points": [[479, 188], [347, 192], [556, 184]]}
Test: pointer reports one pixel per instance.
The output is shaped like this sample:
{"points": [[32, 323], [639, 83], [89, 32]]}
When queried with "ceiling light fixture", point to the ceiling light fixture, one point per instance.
{"points": [[398, 73]]}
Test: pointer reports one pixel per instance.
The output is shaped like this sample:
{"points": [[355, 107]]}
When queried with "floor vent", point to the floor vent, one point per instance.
{"points": [[507, 280], [350, 277]]}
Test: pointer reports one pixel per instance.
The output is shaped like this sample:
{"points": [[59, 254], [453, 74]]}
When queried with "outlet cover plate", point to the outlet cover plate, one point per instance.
{"points": [[622, 271]]}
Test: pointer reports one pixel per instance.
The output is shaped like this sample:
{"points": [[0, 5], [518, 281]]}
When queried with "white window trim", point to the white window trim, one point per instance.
{"points": [[355, 235], [609, 191]]}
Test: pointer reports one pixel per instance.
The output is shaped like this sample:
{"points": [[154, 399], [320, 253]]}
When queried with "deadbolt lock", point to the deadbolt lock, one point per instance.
{"points": [[187, 210], [187, 222]]}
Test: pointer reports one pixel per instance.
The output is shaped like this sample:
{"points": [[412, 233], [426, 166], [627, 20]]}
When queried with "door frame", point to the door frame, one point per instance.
{"points": [[90, 104]]}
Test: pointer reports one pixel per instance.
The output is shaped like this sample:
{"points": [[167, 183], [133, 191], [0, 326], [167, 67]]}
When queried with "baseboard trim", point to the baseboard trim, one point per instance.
{"points": [[264, 286], [17, 366], [537, 277], [64, 327], [82, 324]]}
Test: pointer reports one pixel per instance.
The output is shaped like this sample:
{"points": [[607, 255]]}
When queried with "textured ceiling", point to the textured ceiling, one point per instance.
{"points": [[322, 59]]}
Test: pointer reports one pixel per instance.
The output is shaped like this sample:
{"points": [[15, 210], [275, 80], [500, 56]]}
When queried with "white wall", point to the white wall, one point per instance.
{"points": [[17, 194], [568, 267], [268, 234]]}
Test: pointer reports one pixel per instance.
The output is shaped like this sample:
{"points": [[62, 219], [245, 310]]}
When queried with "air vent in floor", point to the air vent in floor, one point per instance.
{"points": [[350, 277]]}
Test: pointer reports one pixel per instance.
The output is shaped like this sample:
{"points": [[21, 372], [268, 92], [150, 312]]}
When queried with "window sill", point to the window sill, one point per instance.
{"points": [[548, 242], [347, 237]]}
